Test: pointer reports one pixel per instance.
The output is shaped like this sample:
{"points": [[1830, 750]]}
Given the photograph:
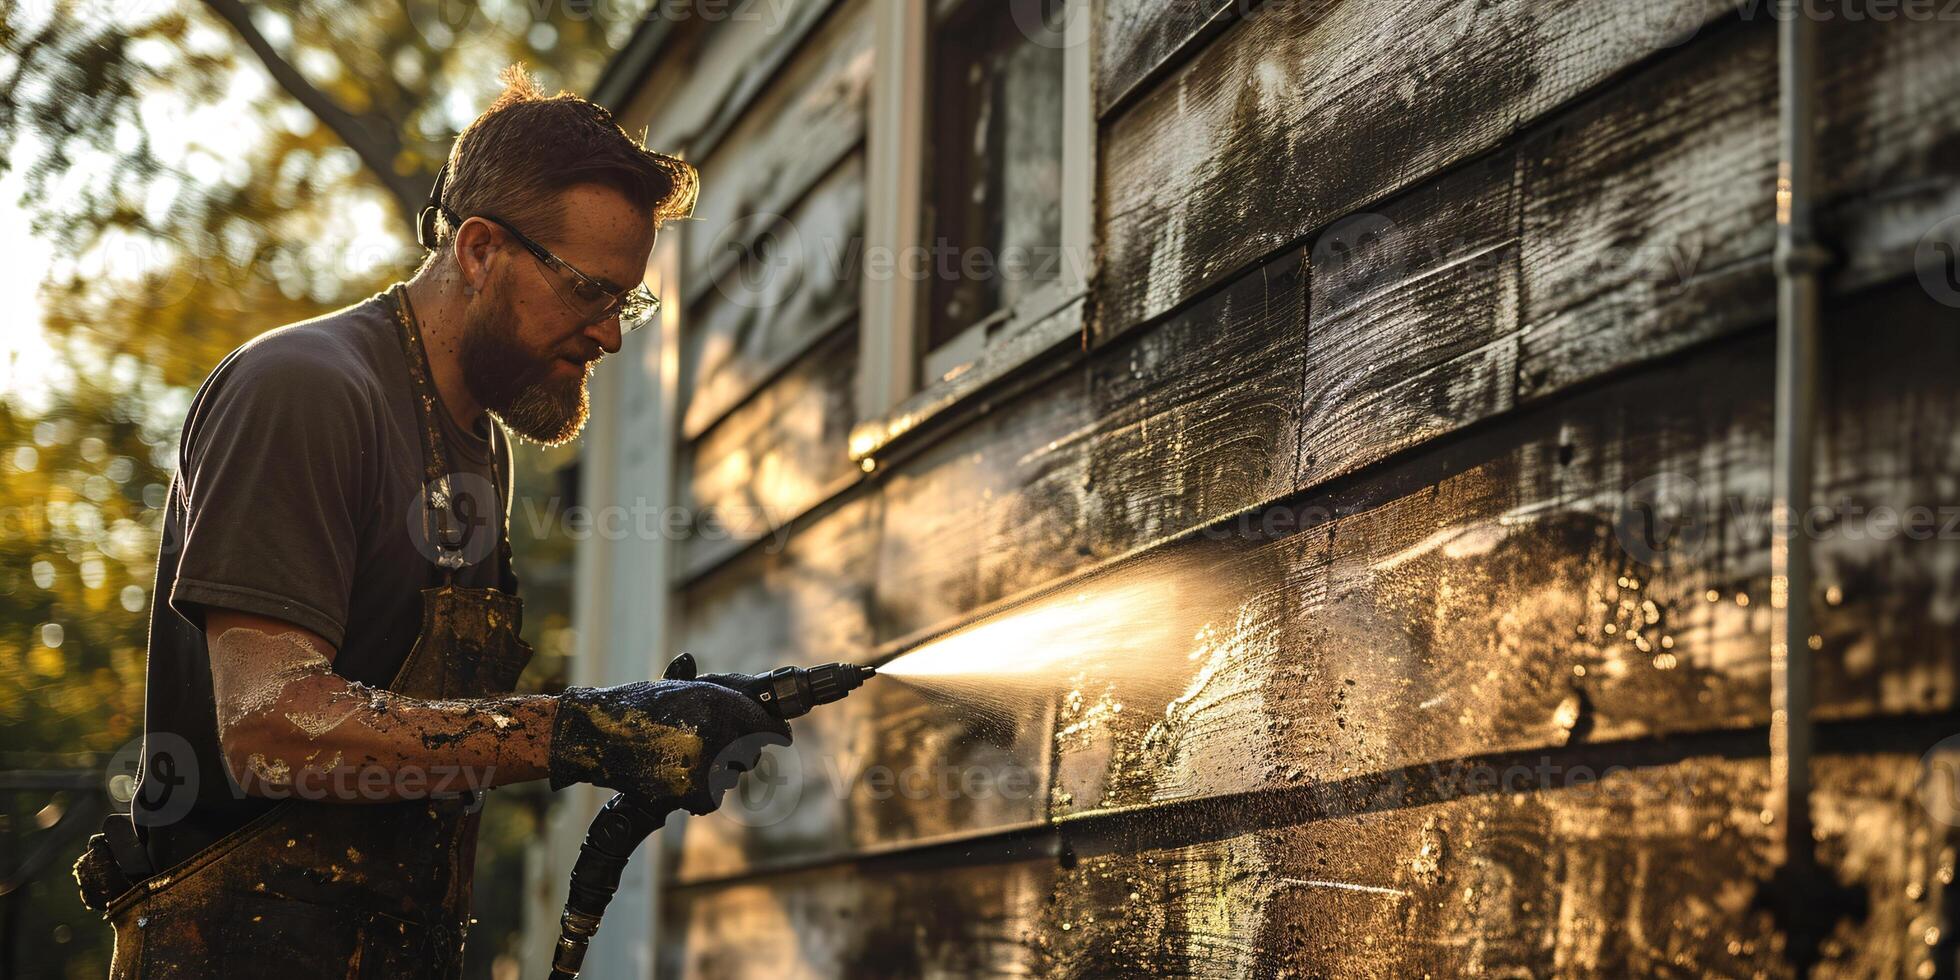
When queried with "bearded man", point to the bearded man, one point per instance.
{"points": [[330, 679]]}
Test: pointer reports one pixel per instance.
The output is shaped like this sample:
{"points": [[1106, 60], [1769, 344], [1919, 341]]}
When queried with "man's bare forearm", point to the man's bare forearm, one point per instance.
{"points": [[290, 726]]}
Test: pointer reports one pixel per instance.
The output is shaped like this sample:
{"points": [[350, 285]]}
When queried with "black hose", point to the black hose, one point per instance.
{"points": [[616, 832], [787, 692]]}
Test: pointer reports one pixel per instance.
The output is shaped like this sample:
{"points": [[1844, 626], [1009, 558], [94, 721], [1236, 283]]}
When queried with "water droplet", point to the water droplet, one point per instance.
{"points": [[1566, 716]]}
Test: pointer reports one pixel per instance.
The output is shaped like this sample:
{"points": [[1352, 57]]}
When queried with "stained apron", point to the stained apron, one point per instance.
{"points": [[321, 889]]}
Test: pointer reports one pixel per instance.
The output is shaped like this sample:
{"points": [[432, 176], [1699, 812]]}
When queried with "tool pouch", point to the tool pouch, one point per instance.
{"points": [[113, 863], [98, 876]]}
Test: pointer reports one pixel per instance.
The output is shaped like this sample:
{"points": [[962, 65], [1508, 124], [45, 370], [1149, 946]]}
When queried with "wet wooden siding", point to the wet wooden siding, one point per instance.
{"points": [[1406, 315]]}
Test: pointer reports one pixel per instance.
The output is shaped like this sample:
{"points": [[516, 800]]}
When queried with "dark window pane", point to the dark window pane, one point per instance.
{"points": [[995, 159]]}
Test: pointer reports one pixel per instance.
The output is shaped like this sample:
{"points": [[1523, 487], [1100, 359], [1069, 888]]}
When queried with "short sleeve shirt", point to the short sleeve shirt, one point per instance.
{"points": [[298, 497]]}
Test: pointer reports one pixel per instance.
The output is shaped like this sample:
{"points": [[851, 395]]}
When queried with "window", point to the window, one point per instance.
{"points": [[994, 171], [980, 151]]}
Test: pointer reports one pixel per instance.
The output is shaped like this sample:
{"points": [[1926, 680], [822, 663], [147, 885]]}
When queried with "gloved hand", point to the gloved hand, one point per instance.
{"points": [[734, 682], [684, 666], [682, 740]]}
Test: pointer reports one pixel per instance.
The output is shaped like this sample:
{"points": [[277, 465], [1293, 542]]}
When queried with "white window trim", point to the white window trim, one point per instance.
{"points": [[894, 183], [891, 397]]}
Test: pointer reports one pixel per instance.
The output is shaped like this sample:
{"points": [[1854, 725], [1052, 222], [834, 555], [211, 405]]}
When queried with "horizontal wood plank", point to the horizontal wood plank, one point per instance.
{"points": [[802, 600], [1200, 416], [775, 456], [1137, 39], [1597, 570], [1611, 871], [1413, 319], [1650, 212], [1610, 862], [1173, 428], [992, 509], [1646, 230], [709, 67], [796, 284], [808, 119], [1292, 119], [837, 922]]}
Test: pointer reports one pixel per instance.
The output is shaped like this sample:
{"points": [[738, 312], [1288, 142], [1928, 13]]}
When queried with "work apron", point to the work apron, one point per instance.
{"points": [[322, 889]]}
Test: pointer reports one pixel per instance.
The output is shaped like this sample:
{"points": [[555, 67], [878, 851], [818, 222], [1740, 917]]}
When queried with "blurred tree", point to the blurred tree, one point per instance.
{"points": [[208, 170], [205, 172], [82, 482]]}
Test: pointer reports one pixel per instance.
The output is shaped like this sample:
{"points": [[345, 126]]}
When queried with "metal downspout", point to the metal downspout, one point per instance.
{"points": [[1799, 260]]}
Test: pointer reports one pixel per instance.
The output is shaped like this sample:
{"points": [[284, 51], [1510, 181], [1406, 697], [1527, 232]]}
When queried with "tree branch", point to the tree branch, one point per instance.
{"points": [[377, 141]]}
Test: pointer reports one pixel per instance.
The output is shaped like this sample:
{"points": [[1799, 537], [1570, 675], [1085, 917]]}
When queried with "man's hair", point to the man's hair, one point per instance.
{"points": [[517, 157]]}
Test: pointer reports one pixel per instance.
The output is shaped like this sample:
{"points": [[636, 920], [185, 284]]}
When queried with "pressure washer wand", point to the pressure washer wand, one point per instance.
{"points": [[787, 692]]}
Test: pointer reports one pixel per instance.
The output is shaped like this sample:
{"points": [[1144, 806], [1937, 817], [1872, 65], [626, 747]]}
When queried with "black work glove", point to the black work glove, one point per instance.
{"points": [[686, 741], [734, 682], [683, 667]]}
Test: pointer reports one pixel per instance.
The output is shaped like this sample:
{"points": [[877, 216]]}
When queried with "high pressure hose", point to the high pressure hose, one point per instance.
{"points": [[787, 692]]}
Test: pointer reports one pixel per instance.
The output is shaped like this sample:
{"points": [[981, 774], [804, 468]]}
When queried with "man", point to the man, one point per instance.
{"points": [[329, 681]]}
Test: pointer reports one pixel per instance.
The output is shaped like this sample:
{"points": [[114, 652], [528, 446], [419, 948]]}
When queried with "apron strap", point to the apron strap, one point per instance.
{"points": [[435, 464], [506, 571]]}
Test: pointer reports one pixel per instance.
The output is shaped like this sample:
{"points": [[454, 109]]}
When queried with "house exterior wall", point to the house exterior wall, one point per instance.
{"points": [[1422, 392]]}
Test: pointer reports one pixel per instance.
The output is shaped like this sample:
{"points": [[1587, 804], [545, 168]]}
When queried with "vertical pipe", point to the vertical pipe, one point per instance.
{"points": [[1798, 260]]}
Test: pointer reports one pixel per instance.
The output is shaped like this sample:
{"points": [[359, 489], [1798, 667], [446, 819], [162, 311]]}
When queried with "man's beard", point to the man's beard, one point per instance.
{"points": [[515, 383]]}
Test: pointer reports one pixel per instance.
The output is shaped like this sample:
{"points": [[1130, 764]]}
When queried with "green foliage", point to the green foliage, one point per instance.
{"points": [[84, 485], [198, 192]]}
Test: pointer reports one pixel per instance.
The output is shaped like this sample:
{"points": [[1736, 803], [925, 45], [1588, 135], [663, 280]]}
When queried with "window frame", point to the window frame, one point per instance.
{"points": [[892, 399]]}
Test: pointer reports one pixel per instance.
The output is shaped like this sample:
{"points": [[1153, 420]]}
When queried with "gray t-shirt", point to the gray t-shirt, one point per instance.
{"points": [[297, 497]]}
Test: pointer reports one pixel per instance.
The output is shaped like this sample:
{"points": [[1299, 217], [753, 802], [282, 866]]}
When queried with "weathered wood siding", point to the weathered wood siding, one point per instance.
{"points": [[1409, 320]]}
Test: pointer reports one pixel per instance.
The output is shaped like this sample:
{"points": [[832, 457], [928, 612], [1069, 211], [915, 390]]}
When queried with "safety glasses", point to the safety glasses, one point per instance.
{"points": [[592, 299]]}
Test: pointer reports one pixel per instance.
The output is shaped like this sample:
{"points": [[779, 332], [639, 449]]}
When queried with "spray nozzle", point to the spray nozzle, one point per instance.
{"points": [[788, 692]]}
